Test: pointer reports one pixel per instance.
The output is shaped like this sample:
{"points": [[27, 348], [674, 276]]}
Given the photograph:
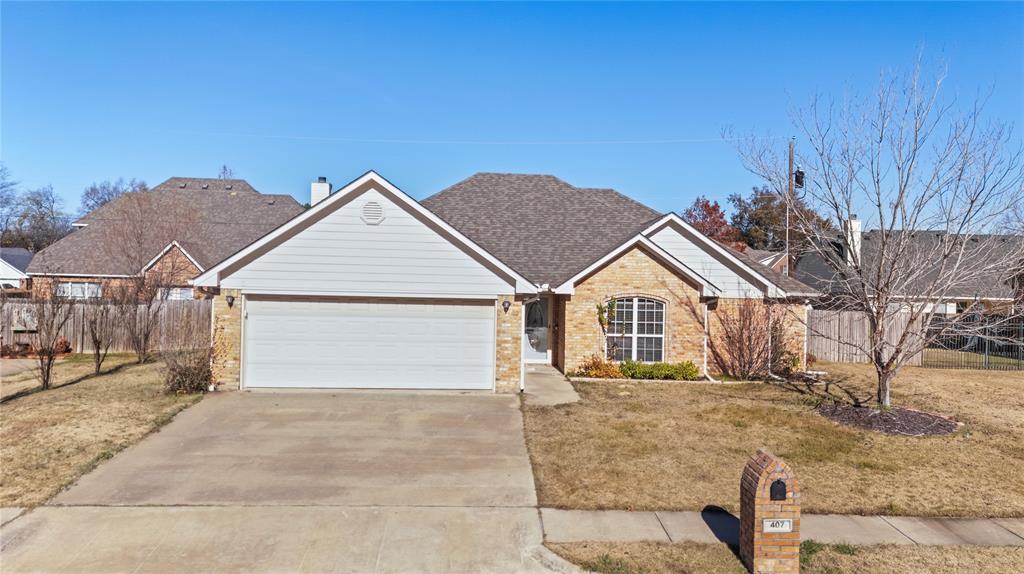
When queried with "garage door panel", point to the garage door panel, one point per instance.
{"points": [[369, 345]]}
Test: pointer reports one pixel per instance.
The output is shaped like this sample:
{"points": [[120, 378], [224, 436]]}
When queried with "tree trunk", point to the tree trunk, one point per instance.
{"points": [[885, 378]]}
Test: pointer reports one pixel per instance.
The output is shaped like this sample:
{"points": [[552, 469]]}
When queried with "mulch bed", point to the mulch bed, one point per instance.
{"points": [[895, 421]]}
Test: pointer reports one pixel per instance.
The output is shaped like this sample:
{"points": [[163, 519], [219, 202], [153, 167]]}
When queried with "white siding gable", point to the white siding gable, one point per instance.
{"points": [[351, 252], [731, 282]]}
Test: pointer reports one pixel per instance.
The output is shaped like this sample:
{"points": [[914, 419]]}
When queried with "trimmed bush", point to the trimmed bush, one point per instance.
{"points": [[597, 368], [685, 371]]}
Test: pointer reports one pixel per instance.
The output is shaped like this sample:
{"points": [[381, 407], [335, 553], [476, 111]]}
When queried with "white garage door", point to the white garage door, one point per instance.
{"points": [[368, 345]]}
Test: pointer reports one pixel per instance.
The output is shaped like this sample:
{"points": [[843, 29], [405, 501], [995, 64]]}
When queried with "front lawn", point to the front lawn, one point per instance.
{"points": [[671, 446], [662, 558], [50, 438], [68, 370]]}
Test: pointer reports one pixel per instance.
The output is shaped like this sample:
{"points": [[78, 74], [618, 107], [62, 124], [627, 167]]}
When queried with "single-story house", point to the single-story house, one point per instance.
{"points": [[13, 263], [177, 229], [370, 288], [997, 287]]}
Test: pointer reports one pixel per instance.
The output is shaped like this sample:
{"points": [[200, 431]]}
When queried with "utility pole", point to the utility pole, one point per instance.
{"points": [[789, 200]]}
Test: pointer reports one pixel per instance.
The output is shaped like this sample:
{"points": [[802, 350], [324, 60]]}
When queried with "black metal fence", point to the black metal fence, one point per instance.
{"points": [[977, 342]]}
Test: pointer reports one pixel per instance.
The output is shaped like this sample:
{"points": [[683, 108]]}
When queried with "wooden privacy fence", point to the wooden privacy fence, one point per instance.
{"points": [[177, 321], [842, 336]]}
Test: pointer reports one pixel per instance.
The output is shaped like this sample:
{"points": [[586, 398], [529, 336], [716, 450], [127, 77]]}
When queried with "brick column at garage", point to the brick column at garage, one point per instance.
{"points": [[508, 340], [227, 340]]}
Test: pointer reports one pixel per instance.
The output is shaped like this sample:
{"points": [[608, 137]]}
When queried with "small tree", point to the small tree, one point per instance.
{"points": [[50, 313], [935, 180], [143, 234], [100, 323]]}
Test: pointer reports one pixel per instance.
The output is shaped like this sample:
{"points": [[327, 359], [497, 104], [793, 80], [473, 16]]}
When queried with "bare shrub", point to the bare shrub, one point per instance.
{"points": [[187, 359], [100, 322], [748, 340], [50, 312]]}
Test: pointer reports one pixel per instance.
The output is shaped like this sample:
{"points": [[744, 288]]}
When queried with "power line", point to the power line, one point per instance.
{"points": [[473, 142]]}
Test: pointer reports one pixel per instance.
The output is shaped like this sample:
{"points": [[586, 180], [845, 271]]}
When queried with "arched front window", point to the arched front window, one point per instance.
{"points": [[636, 331]]}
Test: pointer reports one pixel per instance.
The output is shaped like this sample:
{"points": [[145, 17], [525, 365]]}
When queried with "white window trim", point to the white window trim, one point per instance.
{"points": [[635, 300], [87, 286]]}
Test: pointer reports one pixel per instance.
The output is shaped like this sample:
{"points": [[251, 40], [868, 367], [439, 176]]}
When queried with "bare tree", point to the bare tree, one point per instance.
{"points": [[38, 220], [225, 172], [934, 179], [50, 312], [144, 233], [99, 194], [100, 322], [8, 203]]}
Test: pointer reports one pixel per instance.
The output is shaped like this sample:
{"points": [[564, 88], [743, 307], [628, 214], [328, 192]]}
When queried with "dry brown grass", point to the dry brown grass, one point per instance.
{"points": [[50, 438], [72, 369], [660, 558], [682, 447]]}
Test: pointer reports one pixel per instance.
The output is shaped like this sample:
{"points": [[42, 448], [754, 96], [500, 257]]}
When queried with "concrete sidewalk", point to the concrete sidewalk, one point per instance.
{"points": [[545, 386], [718, 526]]}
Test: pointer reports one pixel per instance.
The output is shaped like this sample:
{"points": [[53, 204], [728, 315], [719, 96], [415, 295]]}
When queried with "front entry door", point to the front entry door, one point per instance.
{"points": [[535, 336]]}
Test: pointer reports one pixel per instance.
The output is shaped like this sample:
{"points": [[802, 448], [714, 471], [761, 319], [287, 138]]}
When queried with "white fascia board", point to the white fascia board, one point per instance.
{"points": [[713, 248], [212, 278], [103, 275], [368, 294], [10, 271], [707, 287], [170, 245]]}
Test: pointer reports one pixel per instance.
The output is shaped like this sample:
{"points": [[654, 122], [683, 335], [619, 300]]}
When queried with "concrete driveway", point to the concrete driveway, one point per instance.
{"points": [[340, 482]]}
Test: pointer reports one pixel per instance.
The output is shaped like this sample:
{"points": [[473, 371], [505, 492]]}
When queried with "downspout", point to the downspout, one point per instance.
{"points": [[706, 334]]}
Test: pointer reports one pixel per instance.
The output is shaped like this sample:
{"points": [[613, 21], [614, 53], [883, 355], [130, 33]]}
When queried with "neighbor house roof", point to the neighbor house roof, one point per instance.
{"points": [[787, 283], [813, 270], [17, 257], [541, 226], [215, 219]]}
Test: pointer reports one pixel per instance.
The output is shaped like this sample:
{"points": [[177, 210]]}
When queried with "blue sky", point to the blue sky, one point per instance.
{"points": [[428, 94]]}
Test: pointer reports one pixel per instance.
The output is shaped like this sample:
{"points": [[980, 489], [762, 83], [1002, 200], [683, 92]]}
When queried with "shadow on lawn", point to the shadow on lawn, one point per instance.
{"points": [[76, 380], [837, 391]]}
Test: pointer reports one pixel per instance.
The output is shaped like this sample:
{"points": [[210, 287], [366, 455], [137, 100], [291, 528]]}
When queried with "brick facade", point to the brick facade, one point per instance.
{"points": [[635, 273], [508, 339], [227, 340], [174, 269]]}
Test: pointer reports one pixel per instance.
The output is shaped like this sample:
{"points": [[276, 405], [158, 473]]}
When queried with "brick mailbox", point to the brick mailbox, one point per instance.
{"points": [[769, 515]]}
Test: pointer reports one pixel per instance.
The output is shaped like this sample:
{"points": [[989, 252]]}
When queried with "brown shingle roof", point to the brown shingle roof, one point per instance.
{"points": [[223, 217], [539, 225]]}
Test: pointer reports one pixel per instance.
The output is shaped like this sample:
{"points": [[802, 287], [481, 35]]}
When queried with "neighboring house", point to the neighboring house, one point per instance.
{"points": [[13, 263], [775, 260], [176, 230], [370, 288], [990, 289]]}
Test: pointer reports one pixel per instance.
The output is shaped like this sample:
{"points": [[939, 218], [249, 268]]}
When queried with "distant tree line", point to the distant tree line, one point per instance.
{"points": [[36, 218]]}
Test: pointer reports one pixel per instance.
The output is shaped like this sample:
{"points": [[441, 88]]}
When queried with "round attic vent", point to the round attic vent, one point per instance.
{"points": [[373, 213]]}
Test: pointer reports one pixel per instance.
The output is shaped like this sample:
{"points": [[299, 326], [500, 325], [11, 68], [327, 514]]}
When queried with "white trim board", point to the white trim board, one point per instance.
{"points": [[708, 289], [170, 245]]}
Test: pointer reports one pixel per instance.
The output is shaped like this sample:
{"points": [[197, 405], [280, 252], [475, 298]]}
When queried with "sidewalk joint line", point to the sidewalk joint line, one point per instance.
{"points": [[667, 535], [894, 527], [997, 523]]}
